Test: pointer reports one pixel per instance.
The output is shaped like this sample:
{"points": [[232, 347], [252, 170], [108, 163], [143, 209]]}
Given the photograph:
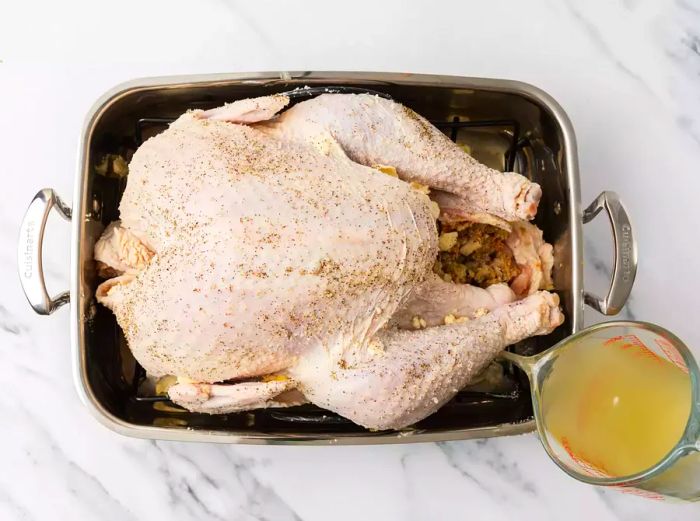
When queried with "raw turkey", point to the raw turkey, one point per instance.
{"points": [[265, 260]]}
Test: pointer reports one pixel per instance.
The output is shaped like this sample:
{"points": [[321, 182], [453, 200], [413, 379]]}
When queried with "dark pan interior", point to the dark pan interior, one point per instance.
{"points": [[503, 130]]}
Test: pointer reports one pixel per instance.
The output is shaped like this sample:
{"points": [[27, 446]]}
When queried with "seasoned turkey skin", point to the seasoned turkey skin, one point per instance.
{"points": [[372, 130], [263, 247]]}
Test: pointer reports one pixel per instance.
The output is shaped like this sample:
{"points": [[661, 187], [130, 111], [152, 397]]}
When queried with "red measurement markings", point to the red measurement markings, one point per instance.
{"points": [[627, 339], [639, 492], [635, 345], [597, 470], [671, 353]]}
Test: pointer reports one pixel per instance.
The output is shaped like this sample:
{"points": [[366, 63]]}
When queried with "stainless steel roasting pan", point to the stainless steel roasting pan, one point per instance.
{"points": [[506, 124]]}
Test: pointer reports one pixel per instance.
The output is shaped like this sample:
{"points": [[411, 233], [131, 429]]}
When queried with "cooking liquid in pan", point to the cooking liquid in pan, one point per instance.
{"points": [[616, 406]]}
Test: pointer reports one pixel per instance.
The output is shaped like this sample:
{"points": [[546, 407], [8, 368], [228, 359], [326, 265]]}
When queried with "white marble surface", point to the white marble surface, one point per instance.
{"points": [[627, 72]]}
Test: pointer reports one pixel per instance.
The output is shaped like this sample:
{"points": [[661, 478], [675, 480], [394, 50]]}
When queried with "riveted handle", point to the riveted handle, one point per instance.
{"points": [[29, 256], [625, 260]]}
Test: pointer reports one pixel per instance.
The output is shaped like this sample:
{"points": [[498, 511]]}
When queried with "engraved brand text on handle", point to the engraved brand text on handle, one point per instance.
{"points": [[626, 249], [28, 253]]}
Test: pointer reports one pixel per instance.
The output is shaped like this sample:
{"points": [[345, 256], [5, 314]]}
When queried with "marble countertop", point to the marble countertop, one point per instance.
{"points": [[626, 71]]}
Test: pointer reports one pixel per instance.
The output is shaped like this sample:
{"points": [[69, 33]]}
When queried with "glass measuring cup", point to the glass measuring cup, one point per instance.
{"points": [[618, 404]]}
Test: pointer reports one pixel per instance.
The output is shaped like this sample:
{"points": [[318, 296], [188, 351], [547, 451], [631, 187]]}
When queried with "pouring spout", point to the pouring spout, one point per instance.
{"points": [[526, 363]]}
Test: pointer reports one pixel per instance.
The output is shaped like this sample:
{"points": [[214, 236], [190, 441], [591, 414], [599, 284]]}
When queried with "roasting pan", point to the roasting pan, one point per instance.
{"points": [[505, 124]]}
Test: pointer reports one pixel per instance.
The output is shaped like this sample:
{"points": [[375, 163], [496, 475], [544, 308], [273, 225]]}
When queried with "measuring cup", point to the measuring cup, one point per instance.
{"points": [[618, 404]]}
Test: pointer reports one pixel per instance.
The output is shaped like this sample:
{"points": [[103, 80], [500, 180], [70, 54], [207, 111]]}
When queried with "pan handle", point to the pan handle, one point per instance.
{"points": [[29, 252], [625, 260]]}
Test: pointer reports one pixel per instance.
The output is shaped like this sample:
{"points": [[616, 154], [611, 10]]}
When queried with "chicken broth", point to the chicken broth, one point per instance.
{"points": [[597, 403]]}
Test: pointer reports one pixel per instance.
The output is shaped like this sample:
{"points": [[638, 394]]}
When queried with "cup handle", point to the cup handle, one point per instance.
{"points": [[29, 253], [625, 259]]}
